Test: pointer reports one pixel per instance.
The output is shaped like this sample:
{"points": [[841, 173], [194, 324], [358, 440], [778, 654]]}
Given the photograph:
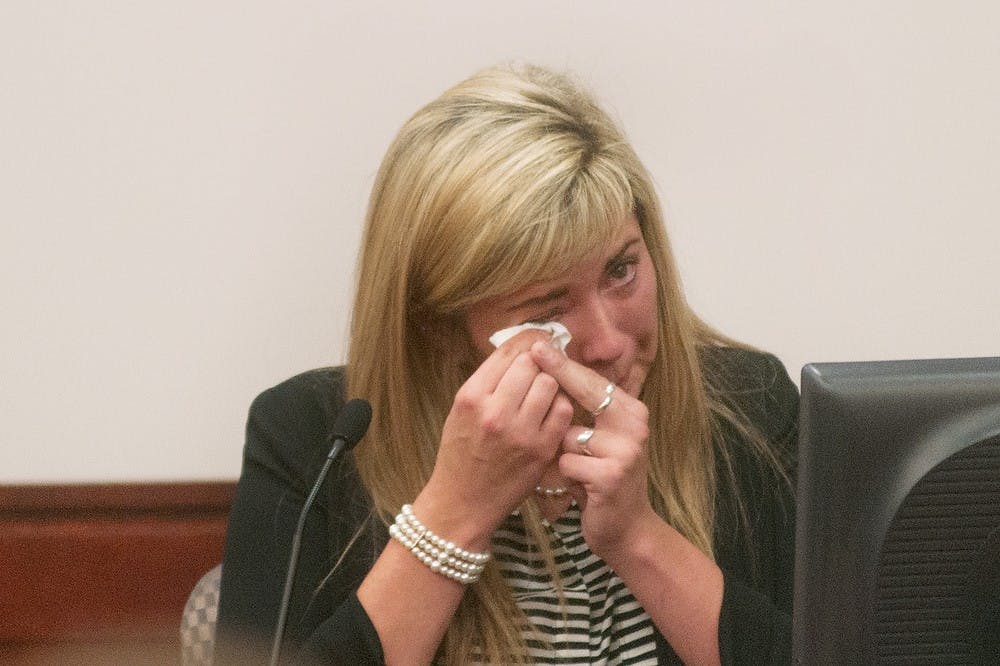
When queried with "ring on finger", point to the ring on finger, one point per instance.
{"points": [[582, 440], [608, 390]]}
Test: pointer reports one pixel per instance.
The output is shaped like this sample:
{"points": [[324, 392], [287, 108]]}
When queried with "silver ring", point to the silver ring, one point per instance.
{"points": [[582, 440], [608, 390]]}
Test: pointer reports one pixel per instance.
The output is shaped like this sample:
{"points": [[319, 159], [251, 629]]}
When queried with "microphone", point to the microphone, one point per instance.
{"points": [[348, 429]]}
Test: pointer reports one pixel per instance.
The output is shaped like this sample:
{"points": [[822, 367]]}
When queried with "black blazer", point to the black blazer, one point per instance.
{"points": [[287, 441]]}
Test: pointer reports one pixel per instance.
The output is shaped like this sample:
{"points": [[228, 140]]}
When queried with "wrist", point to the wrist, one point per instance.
{"points": [[453, 520], [439, 554], [635, 545]]}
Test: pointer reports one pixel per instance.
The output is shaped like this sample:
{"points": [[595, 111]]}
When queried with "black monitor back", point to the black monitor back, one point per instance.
{"points": [[898, 519]]}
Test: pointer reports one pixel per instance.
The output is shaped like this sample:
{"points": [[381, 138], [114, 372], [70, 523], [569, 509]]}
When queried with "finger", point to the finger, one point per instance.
{"points": [[585, 442], [487, 377], [517, 380], [585, 471], [558, 419], [538, 400], [587, 387]]}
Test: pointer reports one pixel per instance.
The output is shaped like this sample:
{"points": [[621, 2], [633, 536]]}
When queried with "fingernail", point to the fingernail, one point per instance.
{"points": [[543, 350]]}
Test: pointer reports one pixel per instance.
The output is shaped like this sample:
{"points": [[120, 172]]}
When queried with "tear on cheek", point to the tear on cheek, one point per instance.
{"points": [[560, 335]]}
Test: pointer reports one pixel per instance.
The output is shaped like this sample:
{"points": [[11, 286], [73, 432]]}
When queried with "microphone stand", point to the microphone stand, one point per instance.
{"points": [[352, 422], [293, 559]]}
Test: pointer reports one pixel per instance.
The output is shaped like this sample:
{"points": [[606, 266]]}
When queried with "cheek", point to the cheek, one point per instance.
{"points": [[645, 332], [478, 329], [642, 308], [480, 344]]}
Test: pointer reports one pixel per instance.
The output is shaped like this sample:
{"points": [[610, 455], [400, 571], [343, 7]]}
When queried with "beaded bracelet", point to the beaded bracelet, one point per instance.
{"points": [[442, 556]]}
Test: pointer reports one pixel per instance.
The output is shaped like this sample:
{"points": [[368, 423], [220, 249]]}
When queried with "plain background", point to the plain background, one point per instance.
{"points": [[182, 186]]}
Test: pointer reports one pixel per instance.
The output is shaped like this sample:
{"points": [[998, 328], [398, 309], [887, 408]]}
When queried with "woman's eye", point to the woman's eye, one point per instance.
{"points": [[622, 271], [545, 317]]}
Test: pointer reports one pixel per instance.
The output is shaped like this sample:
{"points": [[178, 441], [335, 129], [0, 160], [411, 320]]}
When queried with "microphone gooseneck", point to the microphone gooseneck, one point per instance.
{"points": [[348, 429]]}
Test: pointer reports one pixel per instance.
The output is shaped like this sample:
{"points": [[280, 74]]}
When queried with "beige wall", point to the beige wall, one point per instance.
{"points": [[181, 187]]}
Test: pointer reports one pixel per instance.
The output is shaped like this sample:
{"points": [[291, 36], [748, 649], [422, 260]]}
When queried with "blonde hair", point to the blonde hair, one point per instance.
{"points": [[508, 178]]}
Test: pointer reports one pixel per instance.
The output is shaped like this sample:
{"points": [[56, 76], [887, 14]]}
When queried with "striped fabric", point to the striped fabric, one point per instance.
{"points": [[603, 623]]}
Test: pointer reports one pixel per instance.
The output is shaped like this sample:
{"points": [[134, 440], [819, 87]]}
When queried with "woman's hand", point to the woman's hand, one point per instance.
{"points": [[610, 467], [678, 585], [505, 427]]}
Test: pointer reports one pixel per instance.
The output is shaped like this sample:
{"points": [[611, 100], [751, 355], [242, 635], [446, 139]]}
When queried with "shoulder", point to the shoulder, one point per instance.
{"points": [[757, 439], [289, 424], [756, 386], [313, 389]]}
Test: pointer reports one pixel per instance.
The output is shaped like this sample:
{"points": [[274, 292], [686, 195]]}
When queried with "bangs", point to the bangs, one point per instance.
{"points": [[542, 232]]}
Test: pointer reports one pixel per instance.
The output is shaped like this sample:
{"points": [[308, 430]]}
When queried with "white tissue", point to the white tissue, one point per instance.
{"points": [[560, 334]]}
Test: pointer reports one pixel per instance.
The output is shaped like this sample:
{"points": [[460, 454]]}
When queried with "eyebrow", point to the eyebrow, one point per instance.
{"points": [[559, 292]]}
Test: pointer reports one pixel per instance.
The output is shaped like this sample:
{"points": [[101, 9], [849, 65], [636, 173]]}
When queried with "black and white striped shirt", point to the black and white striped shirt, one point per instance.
{"points": [[603, 623]]}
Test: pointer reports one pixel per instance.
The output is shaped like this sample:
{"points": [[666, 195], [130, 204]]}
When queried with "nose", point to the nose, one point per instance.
{"points": [[599, 336]]}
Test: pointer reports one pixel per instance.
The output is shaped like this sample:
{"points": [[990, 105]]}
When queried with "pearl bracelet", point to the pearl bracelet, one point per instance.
{"points": [[442, 556]]}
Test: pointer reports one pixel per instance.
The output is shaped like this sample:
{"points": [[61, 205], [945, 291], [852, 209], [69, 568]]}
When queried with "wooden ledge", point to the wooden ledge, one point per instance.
{"points": [[102, 566]]}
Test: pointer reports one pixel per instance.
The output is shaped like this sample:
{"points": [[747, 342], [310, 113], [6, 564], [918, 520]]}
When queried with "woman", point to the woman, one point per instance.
{"points": [[633, 491]]}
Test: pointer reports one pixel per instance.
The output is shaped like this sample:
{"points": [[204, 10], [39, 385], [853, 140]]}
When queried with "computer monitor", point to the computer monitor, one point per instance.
{"points": [[898, 517]]}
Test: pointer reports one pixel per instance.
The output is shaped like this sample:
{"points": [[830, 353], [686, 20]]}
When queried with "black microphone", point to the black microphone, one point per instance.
{"points": [[348, 429]]}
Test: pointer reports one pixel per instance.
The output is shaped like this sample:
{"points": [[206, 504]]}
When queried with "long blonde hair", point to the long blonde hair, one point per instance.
{"points": [[508, 178]]}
